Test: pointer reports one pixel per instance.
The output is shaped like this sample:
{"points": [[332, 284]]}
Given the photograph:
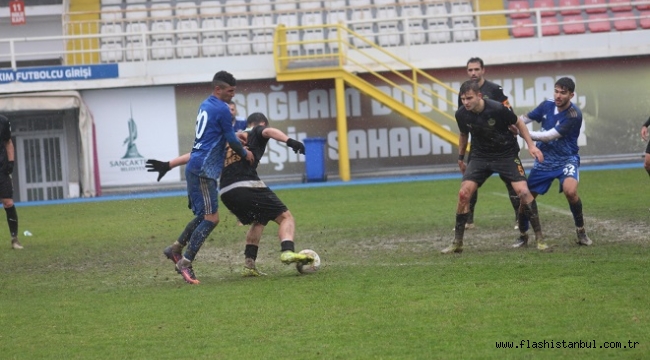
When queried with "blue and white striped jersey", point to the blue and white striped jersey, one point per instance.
{"points": [[562, 151]]}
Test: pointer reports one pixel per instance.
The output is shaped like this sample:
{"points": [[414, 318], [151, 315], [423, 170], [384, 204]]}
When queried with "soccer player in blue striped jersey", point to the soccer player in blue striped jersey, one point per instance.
{"points": [[560, 121], [213, 131]]}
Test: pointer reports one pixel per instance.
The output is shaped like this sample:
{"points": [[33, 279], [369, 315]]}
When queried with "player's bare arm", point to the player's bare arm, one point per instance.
{"points": [[463, 139], [644, 133], [275, 134], [532, 149]]}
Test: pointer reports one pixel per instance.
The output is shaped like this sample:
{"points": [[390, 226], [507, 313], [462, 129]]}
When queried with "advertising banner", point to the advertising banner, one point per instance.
{"points": [[133, 125], [610, 93], [59, 73]]}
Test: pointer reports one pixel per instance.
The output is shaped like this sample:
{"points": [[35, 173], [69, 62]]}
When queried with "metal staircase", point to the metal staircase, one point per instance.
{"points": [[336, 52]]}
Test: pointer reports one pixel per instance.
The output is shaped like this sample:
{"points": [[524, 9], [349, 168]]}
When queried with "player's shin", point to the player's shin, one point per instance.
{"points": [[530, 211], [459, 229], [576, 211]]}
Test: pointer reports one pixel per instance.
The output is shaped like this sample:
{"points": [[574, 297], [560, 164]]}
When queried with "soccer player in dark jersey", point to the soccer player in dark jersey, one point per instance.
{"points": [[560, 121], [213, 131], [6, 185], [492, 91], [494, 149], [253, 203], [246, 196], [644, 136]]}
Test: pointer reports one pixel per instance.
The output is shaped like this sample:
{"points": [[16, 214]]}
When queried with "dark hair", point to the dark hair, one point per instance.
{"points": [[223, 79], [469, 85], [256, 119], [475, 60], [566, 83]]}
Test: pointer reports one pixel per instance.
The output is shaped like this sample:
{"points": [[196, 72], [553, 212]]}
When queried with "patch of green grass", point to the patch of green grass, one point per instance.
{"points": [[92, 282]]}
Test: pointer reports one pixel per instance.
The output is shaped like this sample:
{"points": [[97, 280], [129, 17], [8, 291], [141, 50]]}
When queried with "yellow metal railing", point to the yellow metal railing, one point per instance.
{"points": [[363, 57], [341, 57]]}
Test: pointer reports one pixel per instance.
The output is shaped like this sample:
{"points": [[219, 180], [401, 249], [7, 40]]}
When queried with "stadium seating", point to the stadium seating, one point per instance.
{"points": [[569, 3], [415, 31], [644, 20], [550, 26], [573, 24], [622, 5], [523, 28], [624, 21], [538, 4], [599, 23], [192, 28], [521, 6], [597, 6]]}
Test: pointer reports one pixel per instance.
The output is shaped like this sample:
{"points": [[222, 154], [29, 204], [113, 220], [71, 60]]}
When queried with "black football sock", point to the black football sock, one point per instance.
{"points": [[459, 229], [12, 220], [576, 210], [287, 245], [251, 251]]}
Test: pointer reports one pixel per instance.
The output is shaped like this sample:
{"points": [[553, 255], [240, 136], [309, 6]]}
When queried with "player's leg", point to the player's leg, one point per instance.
{"points": [[569, 186], [286, 230], [204, 201], [253, 237], [528, 213], [472, 201], [472, 205], [513, 171], [6, 194], [475, 174], [240, 202], [174, 252], [514, 200]]}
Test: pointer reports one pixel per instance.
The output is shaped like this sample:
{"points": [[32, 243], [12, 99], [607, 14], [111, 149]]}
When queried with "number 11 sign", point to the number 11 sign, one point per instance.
{"points": [[17, 11]]}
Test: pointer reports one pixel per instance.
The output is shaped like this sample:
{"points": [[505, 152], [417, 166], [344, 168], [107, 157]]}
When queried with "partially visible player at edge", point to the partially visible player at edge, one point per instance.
{"points": [[644, 136], [213, 131], [560, 121], [246, 195], [7, 153], [495, 150], [492, 91]]}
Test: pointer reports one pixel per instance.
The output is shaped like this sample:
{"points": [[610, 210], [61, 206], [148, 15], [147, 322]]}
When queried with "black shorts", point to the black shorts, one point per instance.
{"points": [[6, 187], [647, 148], [250, 205], [510, 170]]}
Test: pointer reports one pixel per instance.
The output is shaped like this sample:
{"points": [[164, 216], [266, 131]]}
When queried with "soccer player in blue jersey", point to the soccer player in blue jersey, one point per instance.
{"points": [[560, 121], [644, 136], [494, 150], [213, 131], [238, 123]]}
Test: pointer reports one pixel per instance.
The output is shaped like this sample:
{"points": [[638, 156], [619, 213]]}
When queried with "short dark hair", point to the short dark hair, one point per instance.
{"points": [[469, 85], [223, 79], [566, 83], [255, 119], [475, 60]]}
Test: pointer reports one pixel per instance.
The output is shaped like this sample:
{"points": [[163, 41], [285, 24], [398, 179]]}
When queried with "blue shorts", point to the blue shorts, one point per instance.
{"points": [[202, 193], [539, 181]]}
